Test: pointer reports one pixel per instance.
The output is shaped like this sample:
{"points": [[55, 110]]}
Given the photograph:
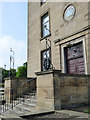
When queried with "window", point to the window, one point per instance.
{"points": [[43, 1], [45, 54], [45, 30]]}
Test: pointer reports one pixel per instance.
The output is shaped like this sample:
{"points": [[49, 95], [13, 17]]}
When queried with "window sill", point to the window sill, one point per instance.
{"points": [[45, 37]]}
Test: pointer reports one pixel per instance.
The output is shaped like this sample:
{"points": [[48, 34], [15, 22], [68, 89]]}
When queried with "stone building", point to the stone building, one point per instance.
{"points": [[67, 26]]}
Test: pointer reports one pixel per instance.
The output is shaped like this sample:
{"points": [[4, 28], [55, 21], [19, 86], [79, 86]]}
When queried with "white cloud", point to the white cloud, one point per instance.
{"points": [[18, 46]]}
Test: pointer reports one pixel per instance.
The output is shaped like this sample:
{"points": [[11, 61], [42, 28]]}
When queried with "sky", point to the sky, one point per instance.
{"points": [[13, 33]]}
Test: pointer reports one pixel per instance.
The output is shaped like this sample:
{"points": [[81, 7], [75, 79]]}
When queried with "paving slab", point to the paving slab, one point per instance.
{"points": [[74, 113]]}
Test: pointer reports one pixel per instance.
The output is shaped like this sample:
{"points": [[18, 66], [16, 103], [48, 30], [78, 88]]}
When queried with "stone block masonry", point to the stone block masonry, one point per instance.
{"points": [[56, 90]]}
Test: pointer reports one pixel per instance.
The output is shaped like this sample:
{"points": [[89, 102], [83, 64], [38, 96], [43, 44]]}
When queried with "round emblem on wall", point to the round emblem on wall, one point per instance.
{"points": [[69, 12]]}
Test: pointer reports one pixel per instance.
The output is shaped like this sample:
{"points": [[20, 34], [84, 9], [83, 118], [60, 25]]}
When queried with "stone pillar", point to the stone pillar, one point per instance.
{"points": [[7, 89], [48, 90]]}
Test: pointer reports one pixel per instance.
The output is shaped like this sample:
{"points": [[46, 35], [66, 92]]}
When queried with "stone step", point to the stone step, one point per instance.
{"points": [[33, 101], [23, 108], [21, 99], [27, 102], [17, 102], [21, 113], [6, 106], [33, 97], [29, 99], [31, 94], [24, 112], [9, 114], [1, 93], [9, 105], [2, 88], [29, 105], [27, 96]]}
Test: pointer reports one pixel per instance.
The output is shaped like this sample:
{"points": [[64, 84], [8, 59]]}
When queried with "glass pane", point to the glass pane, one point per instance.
{"points": [[45, 25], [44, 57], [46, 30], [43, 1], [44, 54], [45, 18]]}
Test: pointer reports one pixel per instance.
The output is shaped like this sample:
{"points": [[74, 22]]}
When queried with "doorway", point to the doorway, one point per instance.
{"points": [[75, 59]]}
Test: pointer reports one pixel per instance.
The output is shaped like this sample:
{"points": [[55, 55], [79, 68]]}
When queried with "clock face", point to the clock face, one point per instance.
{"points": [[69, 12]]}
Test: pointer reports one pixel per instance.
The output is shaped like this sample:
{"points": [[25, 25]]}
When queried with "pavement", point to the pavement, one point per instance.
{"points": [[67, 114], [75, 114]]}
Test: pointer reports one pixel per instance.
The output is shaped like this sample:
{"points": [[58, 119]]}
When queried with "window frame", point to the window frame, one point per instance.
{"points": [[48, 49], [63, 59], [42, 36]]}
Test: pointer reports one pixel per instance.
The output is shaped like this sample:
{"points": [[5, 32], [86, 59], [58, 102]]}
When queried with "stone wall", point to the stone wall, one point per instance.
{"points": [[56, 90], [18, 87], [61, 31], [74, 89]]}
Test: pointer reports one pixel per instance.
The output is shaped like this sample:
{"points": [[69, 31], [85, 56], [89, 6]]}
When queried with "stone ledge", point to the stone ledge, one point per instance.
{"points": [[61, 74], [83, 29], [47, 72]]}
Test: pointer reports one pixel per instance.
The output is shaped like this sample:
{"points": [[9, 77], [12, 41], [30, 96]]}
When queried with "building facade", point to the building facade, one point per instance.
{"points": [[67, 26]]}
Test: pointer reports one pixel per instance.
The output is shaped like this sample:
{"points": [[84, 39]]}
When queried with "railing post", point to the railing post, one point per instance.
{"points": [[7, 105], [29, 87], [12, 98], [2, 102]]}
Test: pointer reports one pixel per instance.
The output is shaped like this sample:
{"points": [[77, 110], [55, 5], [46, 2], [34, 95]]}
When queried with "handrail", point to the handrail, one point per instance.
{"points": [[20, 84], [22, 88]]}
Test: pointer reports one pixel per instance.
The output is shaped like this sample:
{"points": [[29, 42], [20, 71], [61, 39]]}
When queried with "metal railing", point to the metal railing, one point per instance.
{"points": [[16, 95]]}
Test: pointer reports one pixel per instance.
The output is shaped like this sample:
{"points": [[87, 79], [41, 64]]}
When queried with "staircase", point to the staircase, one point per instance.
{"points": [[26, 107], [23, 100]]}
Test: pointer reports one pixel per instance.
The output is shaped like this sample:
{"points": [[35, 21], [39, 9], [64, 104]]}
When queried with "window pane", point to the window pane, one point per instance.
{"points": [[43, 1], [44, 57], [46, 30], [45, 25], [44, 54], [45, 18]]}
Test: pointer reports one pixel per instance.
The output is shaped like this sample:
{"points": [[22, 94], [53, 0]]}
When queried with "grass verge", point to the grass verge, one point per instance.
{"points": [[87, 111]]}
